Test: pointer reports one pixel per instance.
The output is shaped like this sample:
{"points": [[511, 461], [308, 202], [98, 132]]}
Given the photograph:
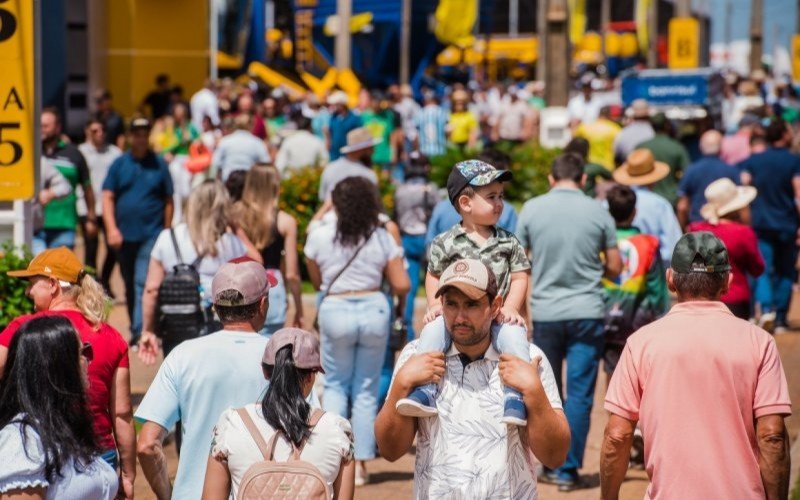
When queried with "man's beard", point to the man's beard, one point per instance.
{"points": [[472, 339], [366, 160]]}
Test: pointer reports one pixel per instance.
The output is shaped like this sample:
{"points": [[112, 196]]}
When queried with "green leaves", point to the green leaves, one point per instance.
{"points": [[13, 301]]}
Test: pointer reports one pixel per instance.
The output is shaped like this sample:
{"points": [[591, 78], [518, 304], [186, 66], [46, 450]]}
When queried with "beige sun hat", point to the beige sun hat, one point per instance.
{"points": [[640, 109], [359, 138], [724, 197], [641, 169]]}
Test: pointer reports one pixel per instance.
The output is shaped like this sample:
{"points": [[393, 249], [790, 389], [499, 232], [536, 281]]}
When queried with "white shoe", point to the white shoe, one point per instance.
{"points": [[767, 321], [362, 476]]}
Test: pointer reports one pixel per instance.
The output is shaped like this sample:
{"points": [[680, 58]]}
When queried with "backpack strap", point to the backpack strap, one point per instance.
{"points": [[266, 450], [175, 245], [313, 420]]}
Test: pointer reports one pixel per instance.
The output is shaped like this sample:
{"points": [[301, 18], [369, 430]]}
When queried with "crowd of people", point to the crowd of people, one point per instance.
{"points": [[669, 256]]}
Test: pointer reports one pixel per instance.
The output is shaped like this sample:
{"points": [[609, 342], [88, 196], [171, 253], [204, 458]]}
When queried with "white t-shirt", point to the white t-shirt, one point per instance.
{"points": [[98, 161], [228, 247], [329, 447], [366, 271], [301, 149], [466, 451], [24, 464]]}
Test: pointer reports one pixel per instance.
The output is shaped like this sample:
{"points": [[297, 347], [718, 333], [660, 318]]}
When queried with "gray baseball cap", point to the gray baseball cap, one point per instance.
{"points": [[245, 276], [305, 348]]}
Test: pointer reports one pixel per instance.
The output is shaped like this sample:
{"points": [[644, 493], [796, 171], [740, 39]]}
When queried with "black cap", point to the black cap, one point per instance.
{"points": [[474, 173], [700, 252]]}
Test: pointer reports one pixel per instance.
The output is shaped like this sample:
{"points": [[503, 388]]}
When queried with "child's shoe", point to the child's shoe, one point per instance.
{"points": [[420, 403], [514, 412]]}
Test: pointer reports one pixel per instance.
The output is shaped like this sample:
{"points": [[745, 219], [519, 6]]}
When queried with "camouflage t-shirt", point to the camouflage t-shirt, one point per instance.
{"points": [[502, 253]]}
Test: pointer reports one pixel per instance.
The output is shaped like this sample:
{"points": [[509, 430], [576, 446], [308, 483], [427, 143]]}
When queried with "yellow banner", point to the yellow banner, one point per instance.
{"points": [[684, 43], [577, 20], [796, 58], [455, 20], [17, 151]]}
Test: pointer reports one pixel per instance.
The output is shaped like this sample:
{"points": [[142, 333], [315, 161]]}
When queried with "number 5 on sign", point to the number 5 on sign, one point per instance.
{"points": [[684, 43], [17, 88]]}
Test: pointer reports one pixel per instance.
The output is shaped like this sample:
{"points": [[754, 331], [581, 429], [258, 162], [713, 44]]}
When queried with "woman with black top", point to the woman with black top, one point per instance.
{"points": [[274, 234]]}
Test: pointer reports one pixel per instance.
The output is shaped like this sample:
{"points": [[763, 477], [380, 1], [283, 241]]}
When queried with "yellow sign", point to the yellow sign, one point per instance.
{"points": [[17, 151], [796, 58], [684, 43]]}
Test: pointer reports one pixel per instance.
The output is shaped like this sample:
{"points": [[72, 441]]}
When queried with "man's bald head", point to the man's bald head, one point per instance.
{"points": [[710, 143]]}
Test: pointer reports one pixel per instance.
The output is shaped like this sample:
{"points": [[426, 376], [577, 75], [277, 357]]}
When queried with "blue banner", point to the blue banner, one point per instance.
{"points": [[667, 89]]}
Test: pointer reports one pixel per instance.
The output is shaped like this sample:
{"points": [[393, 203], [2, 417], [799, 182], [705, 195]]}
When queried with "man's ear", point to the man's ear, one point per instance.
{"points": [[670, 281], [551, 180], [583, 180], [497, 303]]}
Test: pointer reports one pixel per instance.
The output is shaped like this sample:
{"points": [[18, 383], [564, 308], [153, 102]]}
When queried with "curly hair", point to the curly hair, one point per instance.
{"points": [[357, 206]]}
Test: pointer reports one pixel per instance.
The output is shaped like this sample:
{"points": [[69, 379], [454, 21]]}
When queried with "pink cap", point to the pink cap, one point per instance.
{"points": [[243, 275], [305, 348]]}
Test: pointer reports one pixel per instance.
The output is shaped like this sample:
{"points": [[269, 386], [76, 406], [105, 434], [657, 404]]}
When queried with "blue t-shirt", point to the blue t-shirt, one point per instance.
{"points": [[772, 172], [141, 188], [340, 125], [199, 380], [697, 178], [445, 216]]}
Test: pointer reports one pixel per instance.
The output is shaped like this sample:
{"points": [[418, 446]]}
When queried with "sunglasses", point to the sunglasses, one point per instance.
{"points": [[95, 130], [87, 351]]}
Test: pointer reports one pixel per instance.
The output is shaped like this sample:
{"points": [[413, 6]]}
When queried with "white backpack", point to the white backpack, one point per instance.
{"points": [[293, 479]]}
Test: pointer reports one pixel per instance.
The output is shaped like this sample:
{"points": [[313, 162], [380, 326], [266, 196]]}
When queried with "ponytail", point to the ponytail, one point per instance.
{"points": [[91, 299], [284, 406]]}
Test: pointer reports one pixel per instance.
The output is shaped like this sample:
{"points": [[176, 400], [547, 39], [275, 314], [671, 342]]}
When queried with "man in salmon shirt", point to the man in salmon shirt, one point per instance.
{"points": [[708, 390]]}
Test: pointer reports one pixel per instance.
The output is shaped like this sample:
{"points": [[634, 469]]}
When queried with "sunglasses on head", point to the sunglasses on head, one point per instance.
{"points": [[87, 351]]}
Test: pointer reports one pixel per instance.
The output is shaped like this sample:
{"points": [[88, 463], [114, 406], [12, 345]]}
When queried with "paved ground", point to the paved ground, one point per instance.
{"points": [[391, 481]]}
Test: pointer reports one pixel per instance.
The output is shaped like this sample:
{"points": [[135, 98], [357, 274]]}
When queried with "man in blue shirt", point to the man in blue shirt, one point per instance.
{"points": [[137, 205], [203, 377], [654, 214], [341, 123], [444, 215], [709, 168], [431, 122], [775, 219]]}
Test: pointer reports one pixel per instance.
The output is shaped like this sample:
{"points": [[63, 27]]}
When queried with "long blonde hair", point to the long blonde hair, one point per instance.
{"points": [[90, 298], [258, 207], [207, 213]]}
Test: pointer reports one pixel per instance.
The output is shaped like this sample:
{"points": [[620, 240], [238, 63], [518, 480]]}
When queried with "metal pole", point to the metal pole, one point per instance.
{"points": [[541, 28], [756, 34], [513, 18], [683, 8], [213, 40], [405, 43], [605, 15], [557, 54], [344, 9], [652, 21]]}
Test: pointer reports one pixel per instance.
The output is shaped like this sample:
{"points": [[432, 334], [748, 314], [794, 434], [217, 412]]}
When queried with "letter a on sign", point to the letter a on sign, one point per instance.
{"points": [[17, 151]]}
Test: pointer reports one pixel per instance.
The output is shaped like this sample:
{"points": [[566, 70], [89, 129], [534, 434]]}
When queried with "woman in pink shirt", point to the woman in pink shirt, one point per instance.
{"points": [[723, 217]]}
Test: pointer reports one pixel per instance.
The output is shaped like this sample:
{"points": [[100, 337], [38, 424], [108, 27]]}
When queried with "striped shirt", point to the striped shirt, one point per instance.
{"points": [[431, 122]]}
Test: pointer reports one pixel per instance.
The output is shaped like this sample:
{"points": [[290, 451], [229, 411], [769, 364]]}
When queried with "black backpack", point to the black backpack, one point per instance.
{"points": [[180, 311]]}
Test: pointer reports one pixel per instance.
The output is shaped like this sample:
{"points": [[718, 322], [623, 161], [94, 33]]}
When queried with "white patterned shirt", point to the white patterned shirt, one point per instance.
{"points": [[466, 452]]}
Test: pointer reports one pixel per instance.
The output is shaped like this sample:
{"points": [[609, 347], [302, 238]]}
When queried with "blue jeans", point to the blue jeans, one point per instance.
{"points": [[414, 248], [773, 289], [580, 342], [134, 259], [52, 238], [354, 332], [276, 314]]}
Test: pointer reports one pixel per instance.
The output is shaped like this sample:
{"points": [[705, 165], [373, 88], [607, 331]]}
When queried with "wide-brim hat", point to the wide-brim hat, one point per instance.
{"points": [[724, 197], [641, 169], [358, 139]]}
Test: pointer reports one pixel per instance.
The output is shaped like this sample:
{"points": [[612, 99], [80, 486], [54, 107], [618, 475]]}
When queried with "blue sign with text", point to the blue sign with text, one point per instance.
{"points": [[666, 88]]}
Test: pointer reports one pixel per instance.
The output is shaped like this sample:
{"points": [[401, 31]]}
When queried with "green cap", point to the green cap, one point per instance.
{"points": [[700, 252]]}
